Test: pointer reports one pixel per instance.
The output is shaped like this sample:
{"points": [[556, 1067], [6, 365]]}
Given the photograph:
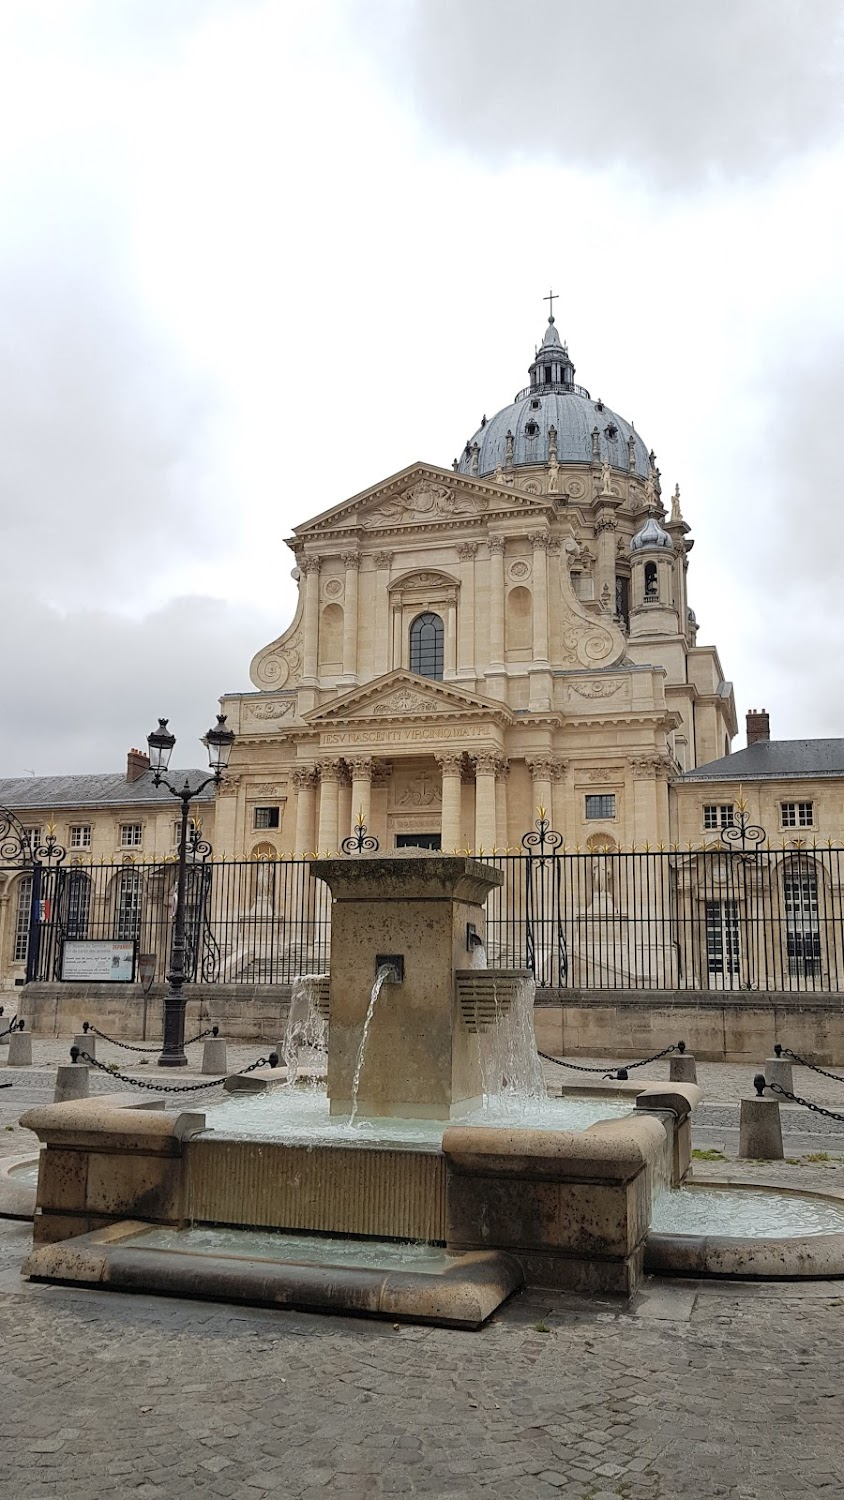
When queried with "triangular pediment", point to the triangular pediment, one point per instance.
{"points": [[423, 495], [401, 696]]}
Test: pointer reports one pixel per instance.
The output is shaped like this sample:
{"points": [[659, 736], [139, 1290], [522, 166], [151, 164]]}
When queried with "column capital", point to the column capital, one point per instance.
{"points": [[539, 540], [502, 770], [485, 763], [329, 770], [360, 767], [466, 550], [351, 560], [450, 762], [303, 776], [310, 563], [546, 767], [382, 770], [495, 542], [383, 559]]}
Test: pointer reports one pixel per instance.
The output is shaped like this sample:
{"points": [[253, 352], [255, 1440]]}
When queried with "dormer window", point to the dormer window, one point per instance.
{"points": [[531, 429]]}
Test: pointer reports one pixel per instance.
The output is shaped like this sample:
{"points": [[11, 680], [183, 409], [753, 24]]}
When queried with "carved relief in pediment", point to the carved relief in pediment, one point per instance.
{"points": [[423, 501]]}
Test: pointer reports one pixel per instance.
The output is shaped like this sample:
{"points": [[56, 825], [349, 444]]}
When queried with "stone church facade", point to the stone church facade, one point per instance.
{"points": [[471, 644]]}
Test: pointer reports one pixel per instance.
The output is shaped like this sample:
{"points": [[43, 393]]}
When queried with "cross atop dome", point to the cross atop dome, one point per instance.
{"points": [[552, 297]]}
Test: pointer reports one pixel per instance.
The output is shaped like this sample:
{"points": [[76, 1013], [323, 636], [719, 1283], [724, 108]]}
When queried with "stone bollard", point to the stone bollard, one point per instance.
{"points": [[20, 1049], [682, 1068], [760, 1131], [86, 1042], [214, 1056], [778, 1070], [5, 1022], [71, 1082]]}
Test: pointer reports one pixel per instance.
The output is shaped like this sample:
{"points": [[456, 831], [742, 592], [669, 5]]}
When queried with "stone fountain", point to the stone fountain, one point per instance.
{"points": [[441, 1224]]}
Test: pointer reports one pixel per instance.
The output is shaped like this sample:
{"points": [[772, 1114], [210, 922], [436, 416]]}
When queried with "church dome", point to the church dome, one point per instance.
{"points": [[554, 412], [651, 536]]}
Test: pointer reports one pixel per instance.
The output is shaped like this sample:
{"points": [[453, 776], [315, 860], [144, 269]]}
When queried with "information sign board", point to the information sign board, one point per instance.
{"points": [[98, 960]]}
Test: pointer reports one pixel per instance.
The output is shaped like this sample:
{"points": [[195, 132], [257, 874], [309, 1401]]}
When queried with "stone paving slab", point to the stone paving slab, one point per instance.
{"points": [[695, 1390]]}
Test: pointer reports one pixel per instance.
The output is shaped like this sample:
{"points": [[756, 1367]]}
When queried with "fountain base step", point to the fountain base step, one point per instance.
{"points": [[416, 1283]]}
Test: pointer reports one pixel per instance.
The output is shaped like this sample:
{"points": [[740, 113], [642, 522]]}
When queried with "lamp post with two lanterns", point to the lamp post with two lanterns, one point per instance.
{"points": [[218, 742]]}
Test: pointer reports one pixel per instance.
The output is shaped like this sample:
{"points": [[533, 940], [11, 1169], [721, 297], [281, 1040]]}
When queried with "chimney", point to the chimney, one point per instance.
{"points": [[758, 726], [136, 764]]}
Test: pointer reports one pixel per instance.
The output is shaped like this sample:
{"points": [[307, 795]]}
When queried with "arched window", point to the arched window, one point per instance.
{"points": [[651, 585], [426, 646]]}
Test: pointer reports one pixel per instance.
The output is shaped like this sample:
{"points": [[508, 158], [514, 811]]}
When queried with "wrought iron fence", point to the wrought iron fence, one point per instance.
{"points": [[725, 918]]}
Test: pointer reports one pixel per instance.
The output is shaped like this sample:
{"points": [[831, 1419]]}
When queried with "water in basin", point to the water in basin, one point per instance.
{"points": [[757, 1213], [301, 1116], [26, 1174], [262, 1244]]}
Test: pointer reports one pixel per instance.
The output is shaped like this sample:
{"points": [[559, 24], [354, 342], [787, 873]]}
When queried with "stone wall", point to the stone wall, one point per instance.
{"points": [[737, 1026]]}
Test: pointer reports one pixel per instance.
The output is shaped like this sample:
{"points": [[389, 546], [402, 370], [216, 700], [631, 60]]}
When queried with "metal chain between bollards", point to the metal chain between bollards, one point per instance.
{"points": [[804, 1063], [130, 1047], [171, 1088], [817, 1109], [14, 1025], [622, 1068]]}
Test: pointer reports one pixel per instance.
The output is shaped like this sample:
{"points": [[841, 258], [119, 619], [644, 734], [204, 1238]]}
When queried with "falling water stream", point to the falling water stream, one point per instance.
{"points": [[381, 977]]}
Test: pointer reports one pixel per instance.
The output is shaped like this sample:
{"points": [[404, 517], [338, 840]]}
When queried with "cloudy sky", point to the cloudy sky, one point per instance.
{"points": [[222, 220]]}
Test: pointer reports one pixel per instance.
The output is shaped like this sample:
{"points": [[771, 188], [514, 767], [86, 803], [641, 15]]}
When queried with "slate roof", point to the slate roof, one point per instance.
{"points": [[108, 789], [784, 759]]}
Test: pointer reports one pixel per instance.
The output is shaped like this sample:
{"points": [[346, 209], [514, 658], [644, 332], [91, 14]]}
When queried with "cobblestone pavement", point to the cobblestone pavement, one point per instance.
{"points": [[695, 1390]]}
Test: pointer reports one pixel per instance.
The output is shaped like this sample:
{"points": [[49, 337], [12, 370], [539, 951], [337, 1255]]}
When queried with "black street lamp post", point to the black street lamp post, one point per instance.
{"points": [[218, 742]]}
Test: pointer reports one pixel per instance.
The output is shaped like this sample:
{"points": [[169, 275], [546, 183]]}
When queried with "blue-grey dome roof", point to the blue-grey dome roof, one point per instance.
{"points": [[553, 400], [651, 536]]}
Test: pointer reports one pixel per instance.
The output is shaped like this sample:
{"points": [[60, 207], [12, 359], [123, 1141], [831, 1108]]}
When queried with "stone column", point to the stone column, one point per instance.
{"points": [[382, 646], [450, 652], [606, 531], [451, 765], [329, 775], [558, 811], [304, 781], [502, 821], [361, 769], [345, 810], [539, 541], [309, 568], [542, 774], [486, 765], [496, 675], [351, 562], [382, 771], [539, 671], [466, 667]]}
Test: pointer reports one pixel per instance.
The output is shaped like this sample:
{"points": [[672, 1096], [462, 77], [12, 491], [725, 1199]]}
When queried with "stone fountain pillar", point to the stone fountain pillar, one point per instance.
{"points": [[421, 1059]]}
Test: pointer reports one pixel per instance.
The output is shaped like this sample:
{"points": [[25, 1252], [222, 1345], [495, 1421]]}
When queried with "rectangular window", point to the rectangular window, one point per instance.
{"points": [[722, 939], [600, 805], [719, 815], [131, 835], [128, 904], [797, 814], [802, 923], [80, 836], [266, 817], [33, 834], [22, 919], [193, 827]]}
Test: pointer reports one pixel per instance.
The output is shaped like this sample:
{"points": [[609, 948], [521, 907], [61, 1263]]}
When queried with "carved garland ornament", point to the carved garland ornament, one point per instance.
{"points": [[600, 689], [272, 710]]}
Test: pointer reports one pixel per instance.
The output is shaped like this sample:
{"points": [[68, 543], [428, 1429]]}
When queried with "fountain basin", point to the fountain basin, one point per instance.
{"points": [[415, 1283], [757, 1231], [571, 1208]]}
